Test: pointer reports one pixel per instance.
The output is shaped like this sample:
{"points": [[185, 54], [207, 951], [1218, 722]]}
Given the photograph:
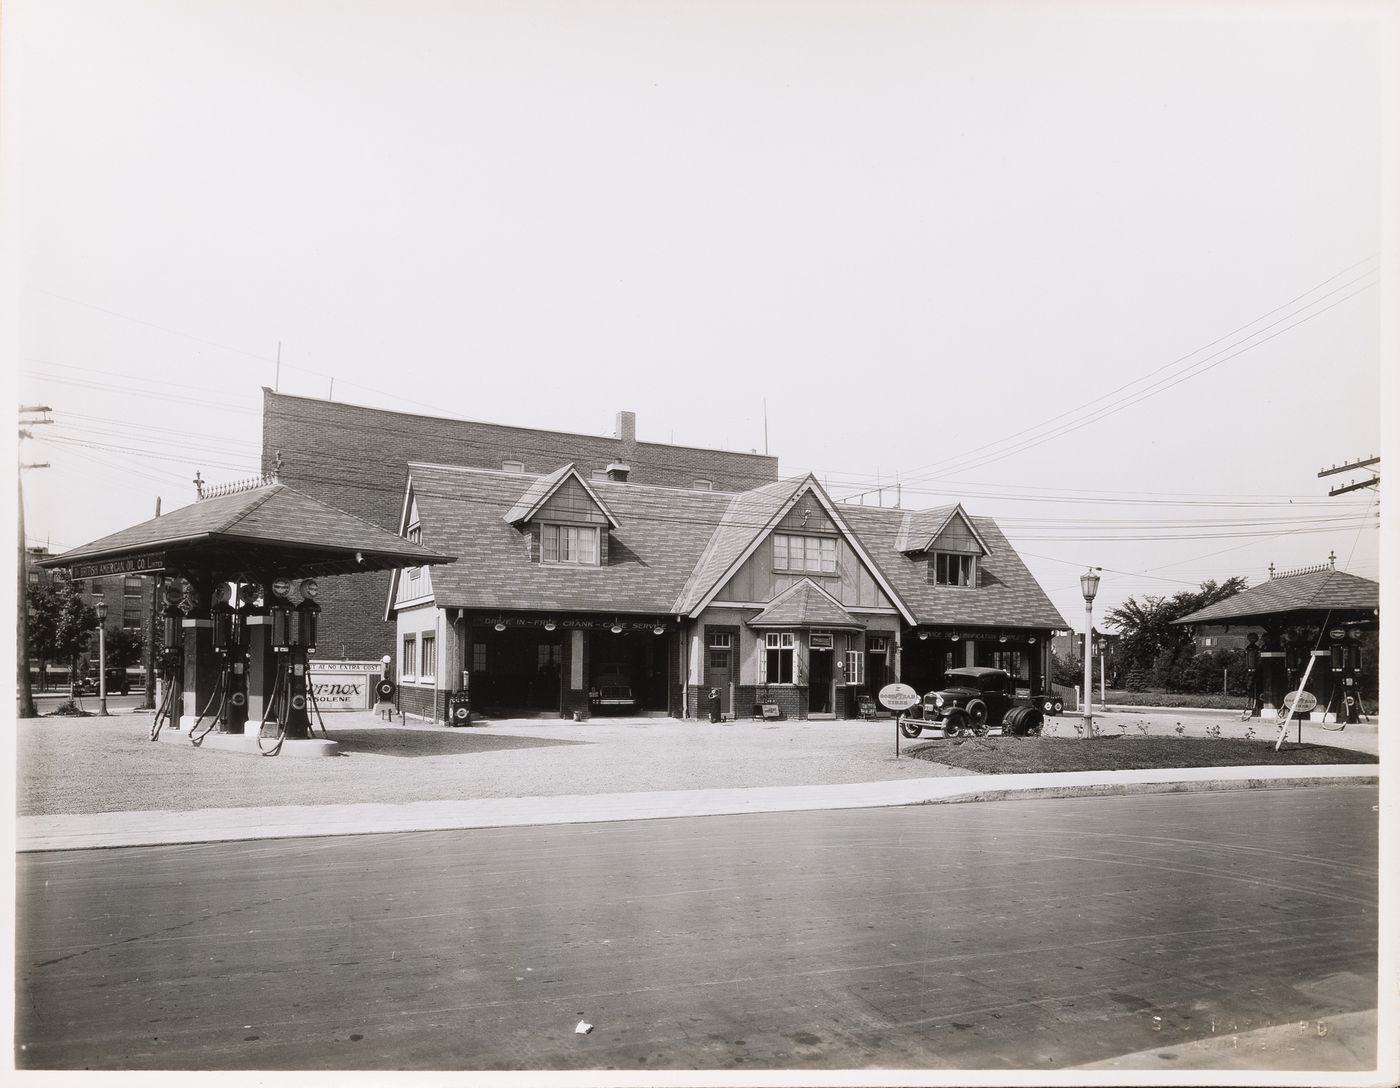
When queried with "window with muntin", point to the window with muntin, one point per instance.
{"points": [[806, 554], [569, 545], [950, 569], [779, 650]]}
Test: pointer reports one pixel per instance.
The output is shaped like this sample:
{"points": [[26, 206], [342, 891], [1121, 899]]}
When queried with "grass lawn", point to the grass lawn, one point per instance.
{"points": [[1162, 698], [1041, 755]]}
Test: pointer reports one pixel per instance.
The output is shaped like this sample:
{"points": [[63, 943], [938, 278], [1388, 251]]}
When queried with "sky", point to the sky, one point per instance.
{"points": [[1107, 273]]}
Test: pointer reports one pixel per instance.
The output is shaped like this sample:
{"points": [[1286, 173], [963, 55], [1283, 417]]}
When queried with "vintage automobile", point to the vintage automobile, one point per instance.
{"points": [[973, 701], [118, 683], [612, 691]]}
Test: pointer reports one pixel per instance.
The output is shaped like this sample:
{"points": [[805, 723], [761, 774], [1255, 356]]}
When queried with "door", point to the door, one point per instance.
{"points": [[819, 682], [719, 668], [876, 663]]}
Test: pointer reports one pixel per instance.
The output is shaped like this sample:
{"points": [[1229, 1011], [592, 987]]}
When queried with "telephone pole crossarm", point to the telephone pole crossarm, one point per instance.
{"points": [[1350, 466], [1375, 481]]}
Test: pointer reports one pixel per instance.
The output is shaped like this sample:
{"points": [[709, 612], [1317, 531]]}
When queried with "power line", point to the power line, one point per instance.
{"points": [[1173, 363], [1127, 402]]}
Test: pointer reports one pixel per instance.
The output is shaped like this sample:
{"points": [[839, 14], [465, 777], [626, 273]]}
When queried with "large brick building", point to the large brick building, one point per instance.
{"points": [[356, 458], [130, 602]]}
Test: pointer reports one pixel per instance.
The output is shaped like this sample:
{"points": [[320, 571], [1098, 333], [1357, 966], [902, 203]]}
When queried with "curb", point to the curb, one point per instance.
{"points": [[153, 828], [1126, 789]]}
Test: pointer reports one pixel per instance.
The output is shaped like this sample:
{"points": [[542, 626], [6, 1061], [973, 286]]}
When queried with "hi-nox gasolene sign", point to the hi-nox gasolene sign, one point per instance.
{"points": [[343, 685]]}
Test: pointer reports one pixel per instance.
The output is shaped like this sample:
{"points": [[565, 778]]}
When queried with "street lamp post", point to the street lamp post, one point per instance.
{"points": [[1089, 586], [101, 609]]}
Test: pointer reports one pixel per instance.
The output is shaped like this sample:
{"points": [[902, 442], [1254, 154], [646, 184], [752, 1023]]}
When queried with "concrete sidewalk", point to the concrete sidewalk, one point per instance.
{"points": [[152, 828]]}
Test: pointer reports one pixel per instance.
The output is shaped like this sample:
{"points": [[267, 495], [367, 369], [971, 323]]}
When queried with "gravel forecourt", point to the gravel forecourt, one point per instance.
{"points": [[89, 765], [80, 765]]}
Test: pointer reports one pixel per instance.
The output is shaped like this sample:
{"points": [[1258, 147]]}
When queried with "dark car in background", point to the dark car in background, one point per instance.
{"points": [[118, 683], [973, 701]]}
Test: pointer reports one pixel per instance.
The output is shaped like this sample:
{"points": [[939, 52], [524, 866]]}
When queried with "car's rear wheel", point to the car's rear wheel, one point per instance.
{"points": [[910, 729], [977, 717]]}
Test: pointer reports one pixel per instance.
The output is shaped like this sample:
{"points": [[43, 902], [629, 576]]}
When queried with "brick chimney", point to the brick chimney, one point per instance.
{"points": [[627, 428], [617, 472]]}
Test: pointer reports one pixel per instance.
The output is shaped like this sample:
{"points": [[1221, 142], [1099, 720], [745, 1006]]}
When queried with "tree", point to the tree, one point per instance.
{"points": [[124, 648], [1151, 639], [60, 624]]}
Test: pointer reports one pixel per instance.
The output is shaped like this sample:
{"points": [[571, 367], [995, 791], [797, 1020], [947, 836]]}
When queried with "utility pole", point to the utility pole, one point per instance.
{"points": [[28, 414]]}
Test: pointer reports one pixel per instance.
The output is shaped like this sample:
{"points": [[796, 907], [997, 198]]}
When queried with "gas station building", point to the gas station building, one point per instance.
{"points": [[574, 596]]}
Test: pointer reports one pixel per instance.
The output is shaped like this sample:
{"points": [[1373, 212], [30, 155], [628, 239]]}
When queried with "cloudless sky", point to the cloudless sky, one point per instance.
{"points": [[1106, 272]]}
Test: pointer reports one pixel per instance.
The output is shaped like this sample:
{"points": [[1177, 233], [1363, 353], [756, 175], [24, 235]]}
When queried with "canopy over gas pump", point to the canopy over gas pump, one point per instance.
{"points": [[1339, 606], [250, 660]]}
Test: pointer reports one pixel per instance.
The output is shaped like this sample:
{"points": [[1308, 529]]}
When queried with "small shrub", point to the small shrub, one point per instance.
{"points": [[70, 709], [1180, 730], [1213, 731], [1143, 728]]}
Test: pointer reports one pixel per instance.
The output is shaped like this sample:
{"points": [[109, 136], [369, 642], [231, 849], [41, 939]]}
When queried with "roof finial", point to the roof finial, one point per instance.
{"points": [[1271, 572], [1332, 559], [277, 466], [198, 485]]}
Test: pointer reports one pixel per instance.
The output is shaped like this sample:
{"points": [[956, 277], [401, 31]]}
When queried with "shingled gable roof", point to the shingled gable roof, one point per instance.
{"points": [[1316, 591], [538, 493], [748, 520], [661, 534], [805, 604], [1007, 594], [262, 522], [920, 529]]}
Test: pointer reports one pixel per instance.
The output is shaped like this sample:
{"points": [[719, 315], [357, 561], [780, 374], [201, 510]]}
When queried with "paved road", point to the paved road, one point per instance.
{"points": [[1033, 934]]}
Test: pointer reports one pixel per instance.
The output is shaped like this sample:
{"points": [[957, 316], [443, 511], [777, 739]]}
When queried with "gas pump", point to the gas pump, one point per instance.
{"points": [[230, 690], [1343, 666], [308, 618], [172, 664], [292, 635], [1251, 677], [1351, 672], [279, 614]]}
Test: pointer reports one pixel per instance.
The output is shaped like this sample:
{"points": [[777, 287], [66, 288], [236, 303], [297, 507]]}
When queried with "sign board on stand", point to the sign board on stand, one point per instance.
{"points": [[1294, 702], [897, 697]]}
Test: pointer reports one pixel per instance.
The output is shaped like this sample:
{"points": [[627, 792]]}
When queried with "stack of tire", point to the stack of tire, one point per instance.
{"points": [[1023, 721]]}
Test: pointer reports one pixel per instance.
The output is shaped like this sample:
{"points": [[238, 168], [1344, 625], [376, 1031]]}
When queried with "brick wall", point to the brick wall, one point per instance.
{"points": [[356, 459], [791, 700], [419, 702]]}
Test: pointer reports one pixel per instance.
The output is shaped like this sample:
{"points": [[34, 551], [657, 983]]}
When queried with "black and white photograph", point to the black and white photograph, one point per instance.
{"points": [[699, 542]]}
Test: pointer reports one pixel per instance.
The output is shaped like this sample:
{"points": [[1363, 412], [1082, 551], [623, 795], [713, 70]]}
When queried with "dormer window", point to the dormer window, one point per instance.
{"points": [[512, 466], [571, 545], [703, 485], [953, 570]]}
